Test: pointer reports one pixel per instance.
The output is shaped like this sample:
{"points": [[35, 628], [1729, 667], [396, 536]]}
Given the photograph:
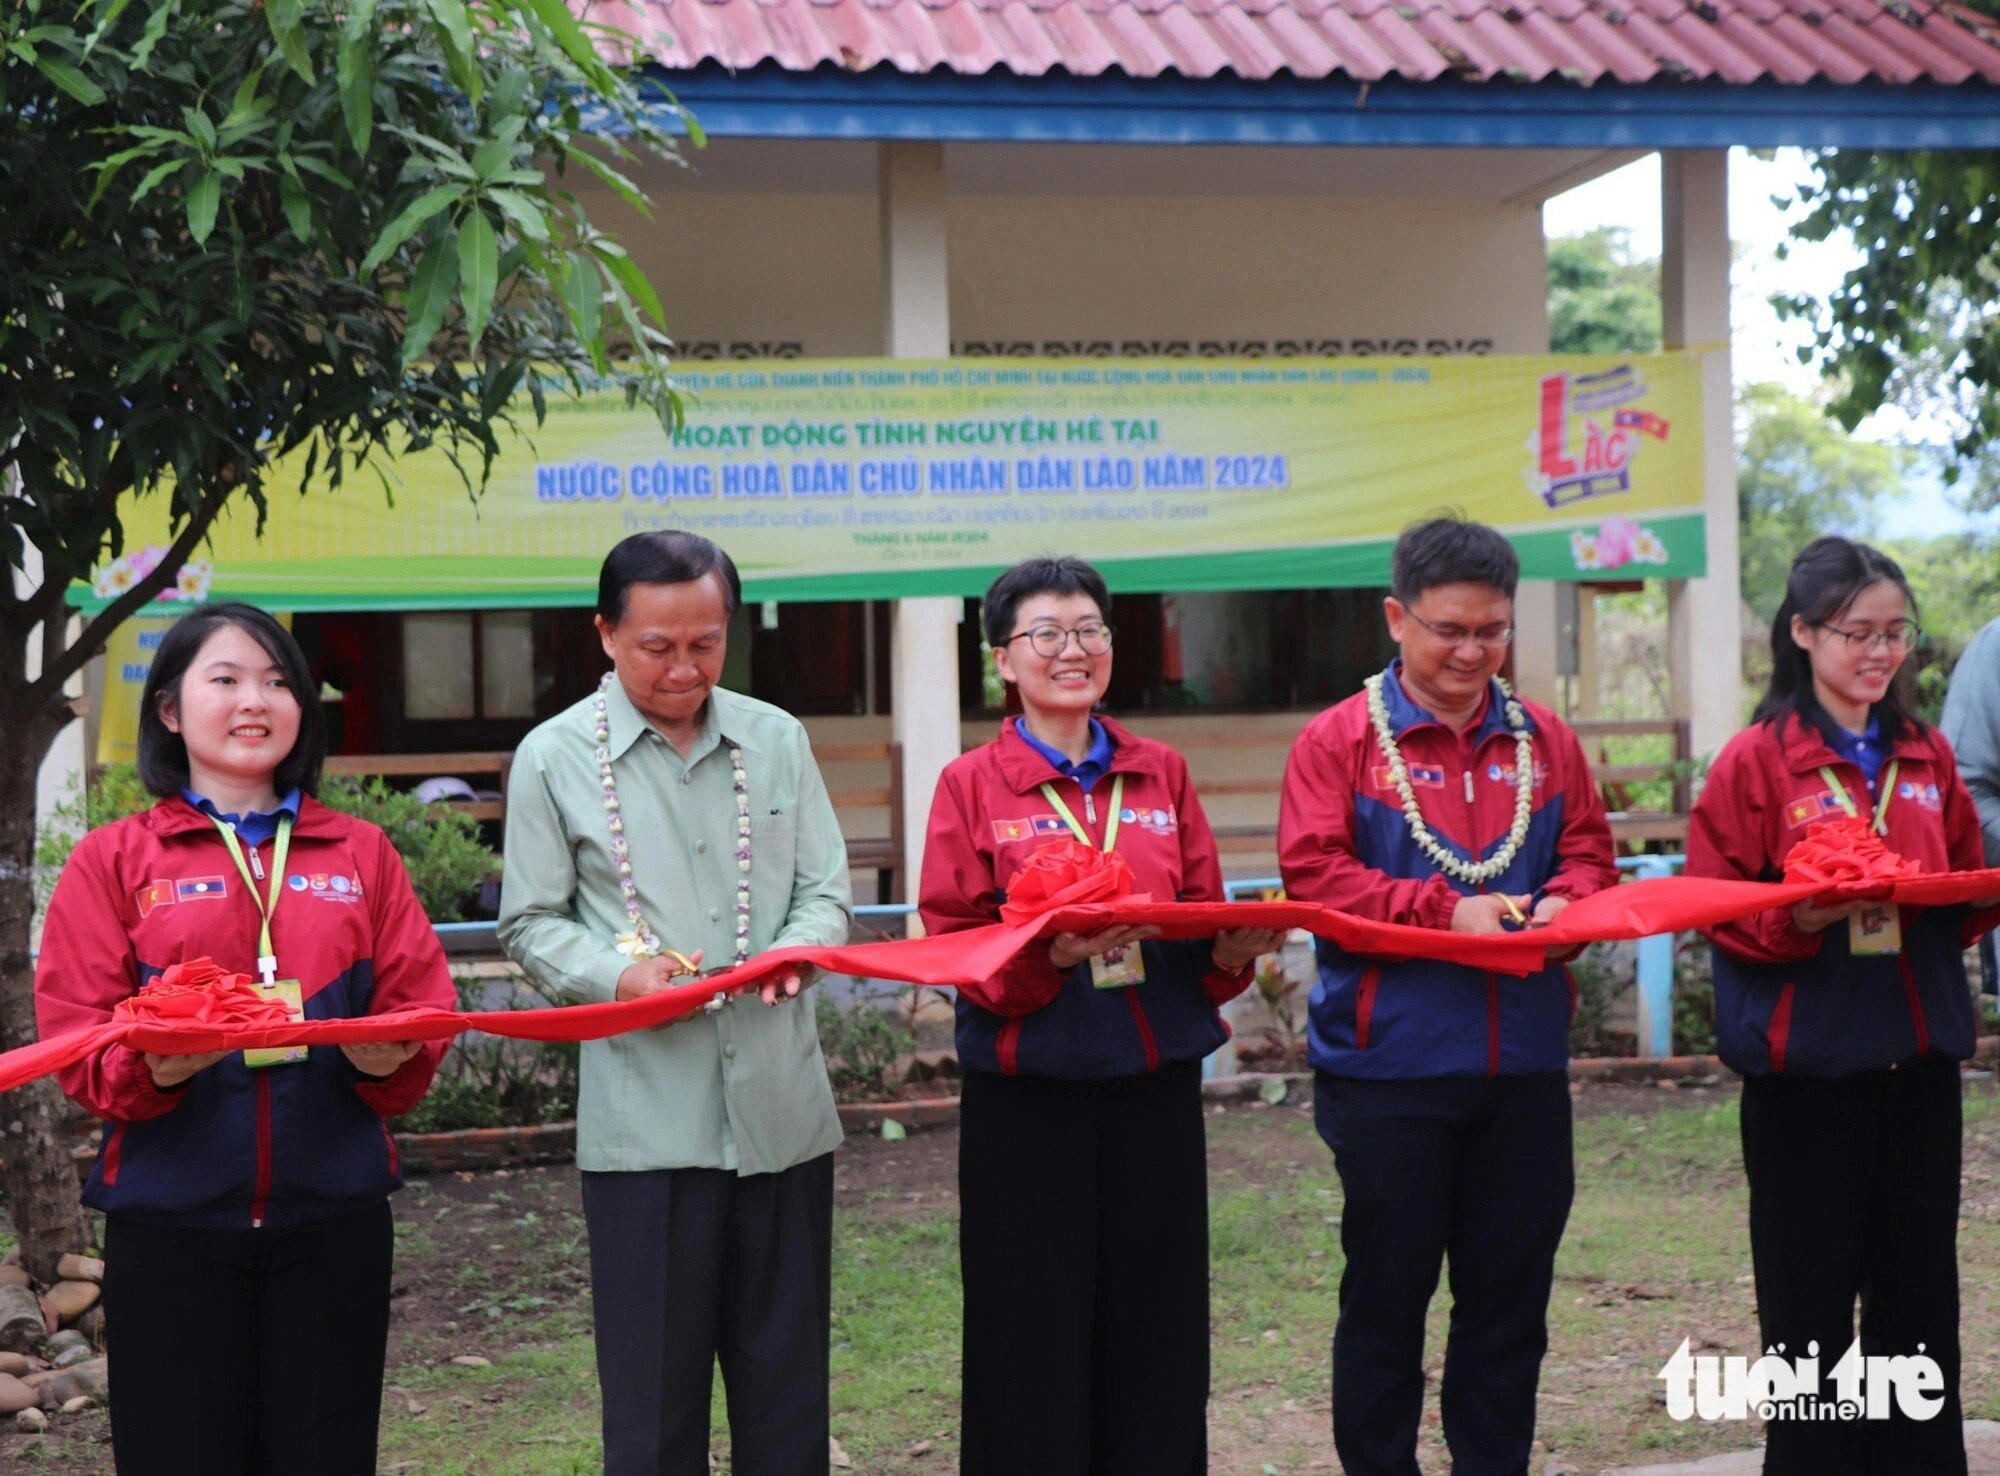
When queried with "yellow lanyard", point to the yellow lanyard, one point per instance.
{"points": [[1885, 791], [1076, 826], [267, 956]]}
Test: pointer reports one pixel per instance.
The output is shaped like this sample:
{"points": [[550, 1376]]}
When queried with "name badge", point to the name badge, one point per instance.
{"points": [[1118, 968], [1876, 929], [287, 993]]}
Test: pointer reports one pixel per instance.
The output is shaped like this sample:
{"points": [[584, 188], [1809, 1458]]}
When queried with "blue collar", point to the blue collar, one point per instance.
{"points": [[1086, 770], [1864, 750], [256, 827], [1405, 714]]}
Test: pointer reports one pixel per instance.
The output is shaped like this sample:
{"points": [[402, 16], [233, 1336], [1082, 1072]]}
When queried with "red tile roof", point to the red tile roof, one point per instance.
{"points": [[1737, 41]]}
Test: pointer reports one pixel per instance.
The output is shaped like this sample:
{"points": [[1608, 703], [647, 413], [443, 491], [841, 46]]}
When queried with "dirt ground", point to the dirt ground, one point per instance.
{"points": [[488, 1262]]}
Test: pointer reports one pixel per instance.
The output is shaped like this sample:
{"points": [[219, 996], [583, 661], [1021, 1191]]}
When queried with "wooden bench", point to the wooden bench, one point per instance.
{"points": [[881, 854], [471, 767]]}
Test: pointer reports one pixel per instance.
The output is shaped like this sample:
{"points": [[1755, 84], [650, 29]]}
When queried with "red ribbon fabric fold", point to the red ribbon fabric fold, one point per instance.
{"points": [[199, 1008]]}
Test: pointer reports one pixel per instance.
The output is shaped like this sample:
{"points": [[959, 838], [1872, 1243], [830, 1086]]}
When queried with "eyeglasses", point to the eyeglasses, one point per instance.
{"points": [[1093, 638], [1492, 637], [1891, 638]]}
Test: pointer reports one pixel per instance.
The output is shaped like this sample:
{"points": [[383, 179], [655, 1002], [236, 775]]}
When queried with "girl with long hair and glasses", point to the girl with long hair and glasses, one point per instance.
{"points": [[1847, 1023], [247, 1237]]}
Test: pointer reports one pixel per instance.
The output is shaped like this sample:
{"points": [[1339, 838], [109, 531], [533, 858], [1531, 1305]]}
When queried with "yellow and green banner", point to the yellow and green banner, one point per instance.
{"points": [[865, 478]]}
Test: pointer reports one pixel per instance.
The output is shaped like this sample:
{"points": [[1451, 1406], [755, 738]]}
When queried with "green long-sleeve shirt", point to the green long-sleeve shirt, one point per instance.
{"points": [[745, 1088]]}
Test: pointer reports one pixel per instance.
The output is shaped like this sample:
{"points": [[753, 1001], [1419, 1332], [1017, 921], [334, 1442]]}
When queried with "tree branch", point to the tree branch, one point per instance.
{"points": [[49, 685]]}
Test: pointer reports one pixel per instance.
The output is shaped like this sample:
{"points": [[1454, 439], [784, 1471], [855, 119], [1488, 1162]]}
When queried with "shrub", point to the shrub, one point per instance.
{"points": [[439, 845], [492, 1081], [862, 1044]]}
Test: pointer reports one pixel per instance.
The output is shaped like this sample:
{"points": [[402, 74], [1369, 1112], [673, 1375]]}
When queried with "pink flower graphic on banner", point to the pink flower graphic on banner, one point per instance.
{"points": [[190, 585], [1615, 543]]}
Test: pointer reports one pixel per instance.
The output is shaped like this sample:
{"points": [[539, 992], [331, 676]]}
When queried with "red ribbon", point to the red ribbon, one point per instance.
{"points": [[1065, 873], [169, 1018], [1846, 851], [200, 992]]}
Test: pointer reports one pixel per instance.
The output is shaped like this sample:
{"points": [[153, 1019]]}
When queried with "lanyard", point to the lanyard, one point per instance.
{"points": [[1886, 790], [267, 956], [1076, 826]]}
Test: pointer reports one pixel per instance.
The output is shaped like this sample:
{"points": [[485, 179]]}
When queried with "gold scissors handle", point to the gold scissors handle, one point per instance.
{"points": [[683, 964], [1514, 910]]}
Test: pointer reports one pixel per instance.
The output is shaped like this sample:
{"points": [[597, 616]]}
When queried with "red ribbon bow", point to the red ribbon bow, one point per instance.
{"points": [[1065, 873], [201, 992], [1846, 851]]}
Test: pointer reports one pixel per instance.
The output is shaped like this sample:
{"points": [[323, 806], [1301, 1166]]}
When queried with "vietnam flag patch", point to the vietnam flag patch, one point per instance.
{"points": [[153, 894]]}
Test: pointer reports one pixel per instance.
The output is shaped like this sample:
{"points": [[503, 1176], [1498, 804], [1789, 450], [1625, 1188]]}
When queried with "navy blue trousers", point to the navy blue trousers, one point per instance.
{"points": [[691, 1267], [1854, 1196], [1474, 1169]]}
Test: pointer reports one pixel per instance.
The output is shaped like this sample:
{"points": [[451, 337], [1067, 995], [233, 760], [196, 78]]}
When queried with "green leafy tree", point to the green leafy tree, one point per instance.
{"points": [[1915, 324], [1799, 476], [1602, 300], [245, 229]]}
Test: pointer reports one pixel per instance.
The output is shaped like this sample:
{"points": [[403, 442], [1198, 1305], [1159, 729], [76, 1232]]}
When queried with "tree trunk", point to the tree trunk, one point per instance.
{"points": [[40, 1178]]}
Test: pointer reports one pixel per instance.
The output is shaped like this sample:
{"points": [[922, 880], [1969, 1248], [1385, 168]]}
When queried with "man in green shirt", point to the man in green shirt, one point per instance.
{"points": [[666, 816]]}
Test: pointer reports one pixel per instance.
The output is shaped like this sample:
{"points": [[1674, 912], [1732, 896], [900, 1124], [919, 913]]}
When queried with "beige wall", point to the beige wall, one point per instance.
{"points": [[779, 246]]}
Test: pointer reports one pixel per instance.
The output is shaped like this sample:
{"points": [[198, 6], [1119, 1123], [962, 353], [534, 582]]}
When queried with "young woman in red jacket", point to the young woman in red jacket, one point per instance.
{"points": [[1083, 1187], [247, 1238], [1847, 1023]]}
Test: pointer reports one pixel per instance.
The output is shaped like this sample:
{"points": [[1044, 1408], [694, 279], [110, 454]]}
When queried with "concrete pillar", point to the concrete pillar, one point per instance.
{"points": [[1535, 638], [1704, 616], [916, 324]]}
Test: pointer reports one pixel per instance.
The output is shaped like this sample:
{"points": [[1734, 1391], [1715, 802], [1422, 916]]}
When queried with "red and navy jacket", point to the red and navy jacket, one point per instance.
{"points": [[236, 1147], [1343, 841], [1801, 1003], [1031, 1019]]}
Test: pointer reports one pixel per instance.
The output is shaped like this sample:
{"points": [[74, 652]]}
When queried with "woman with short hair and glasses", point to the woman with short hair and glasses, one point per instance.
{"points": [[1847, 1023], [1083, 1186]]}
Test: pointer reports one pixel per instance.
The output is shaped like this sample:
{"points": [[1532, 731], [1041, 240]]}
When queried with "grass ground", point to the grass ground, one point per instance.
{"points": [[493, 1267]]}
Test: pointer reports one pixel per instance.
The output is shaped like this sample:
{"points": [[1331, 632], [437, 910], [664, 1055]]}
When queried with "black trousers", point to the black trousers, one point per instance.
{"points": [[248, 1352], [1854, 1185], [1083, 1241], [1477, 1169], [688, 1266]]}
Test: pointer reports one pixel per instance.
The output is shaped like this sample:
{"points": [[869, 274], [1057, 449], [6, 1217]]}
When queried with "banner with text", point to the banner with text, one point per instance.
{"points": [[841, 479]]}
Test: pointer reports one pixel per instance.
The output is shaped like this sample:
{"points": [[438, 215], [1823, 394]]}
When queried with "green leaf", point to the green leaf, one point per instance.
{"points": [[456, 27], [620, 185], [202, 200], [893, 1131], [298, 207], [157, 176], [104, 24], [627, 273], [583, 296], [414, 215], [200, 125], [431, 289], [156, 30], [478, 272], [70, 80], [570, 37], [289, 33], [526, 215], [1273, 1091], [324, 170]]}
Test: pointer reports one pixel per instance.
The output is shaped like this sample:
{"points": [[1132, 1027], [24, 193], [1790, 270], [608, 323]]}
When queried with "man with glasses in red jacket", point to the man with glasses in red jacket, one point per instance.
{"points": [[1438, 798]]}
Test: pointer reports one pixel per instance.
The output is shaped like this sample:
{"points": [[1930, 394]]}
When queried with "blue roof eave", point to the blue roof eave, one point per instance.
{"points": [[1000, 107]]}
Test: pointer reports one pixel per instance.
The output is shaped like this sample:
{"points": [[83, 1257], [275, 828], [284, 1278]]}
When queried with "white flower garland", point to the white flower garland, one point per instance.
{"points": [[640, 941], [1470, 872]]}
